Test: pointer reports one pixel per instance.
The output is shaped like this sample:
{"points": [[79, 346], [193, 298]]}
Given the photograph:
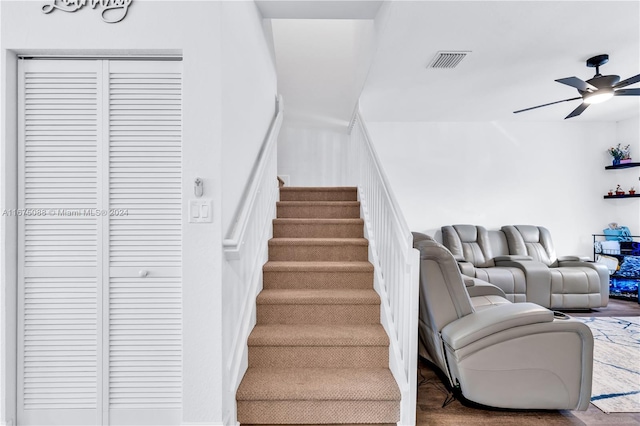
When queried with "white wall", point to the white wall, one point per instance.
{"points": [[500, 173], [248, 98], [322, 65], [226, 64], [310, 156], [248, 107]]}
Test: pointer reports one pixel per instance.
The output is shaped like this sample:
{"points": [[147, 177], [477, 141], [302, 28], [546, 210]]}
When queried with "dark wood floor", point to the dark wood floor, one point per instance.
{"points": [[615, 308], [432, 394]]}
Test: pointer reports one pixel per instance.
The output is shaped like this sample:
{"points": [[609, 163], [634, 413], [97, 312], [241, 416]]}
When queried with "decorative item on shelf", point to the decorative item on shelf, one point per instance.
{"points": [[610, 193], [632, 190], [621, 154], [619, 190], [615, 232]]}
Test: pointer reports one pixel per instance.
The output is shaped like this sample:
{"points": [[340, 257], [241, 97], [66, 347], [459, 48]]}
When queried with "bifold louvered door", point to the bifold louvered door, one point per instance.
{"points": [[100, 308]]}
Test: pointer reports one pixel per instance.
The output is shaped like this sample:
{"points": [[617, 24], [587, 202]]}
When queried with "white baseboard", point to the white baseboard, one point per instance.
{"points": [[201, 424]]}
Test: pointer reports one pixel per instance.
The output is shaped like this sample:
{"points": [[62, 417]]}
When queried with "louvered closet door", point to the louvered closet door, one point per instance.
{"points": [[145, 305], [60, 306], [99, 321]]}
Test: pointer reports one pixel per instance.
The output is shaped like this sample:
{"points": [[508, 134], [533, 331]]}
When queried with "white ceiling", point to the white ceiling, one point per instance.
{"points": [[322, 65], [319, 9], [518, 49]]}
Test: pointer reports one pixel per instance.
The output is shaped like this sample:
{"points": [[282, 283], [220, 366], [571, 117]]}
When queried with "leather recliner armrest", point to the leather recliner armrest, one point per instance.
{"points": [[478, 287], [468, 281], [514, 257], [538, 278], [579, 263], [573, 258], [467, 268], [478, 325]]}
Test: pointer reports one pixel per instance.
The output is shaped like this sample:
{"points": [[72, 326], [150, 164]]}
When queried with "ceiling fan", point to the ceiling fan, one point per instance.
{"points": [[598, 89]]}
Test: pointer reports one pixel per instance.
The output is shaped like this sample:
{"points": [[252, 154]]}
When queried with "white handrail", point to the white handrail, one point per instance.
{"points": [[246, 251], [395, 261], [235, 236]]}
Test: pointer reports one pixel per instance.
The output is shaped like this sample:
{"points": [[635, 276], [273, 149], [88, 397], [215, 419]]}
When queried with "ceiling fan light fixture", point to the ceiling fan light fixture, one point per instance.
{"points": [[596, 90], [600, 96]]}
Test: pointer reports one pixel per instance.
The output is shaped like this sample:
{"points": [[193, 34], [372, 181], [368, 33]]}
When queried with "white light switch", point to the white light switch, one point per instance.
{"points": [[194, 210], [200, 211]]}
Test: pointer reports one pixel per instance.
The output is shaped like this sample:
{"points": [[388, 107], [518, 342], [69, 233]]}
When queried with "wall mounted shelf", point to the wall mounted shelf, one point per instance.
{"points": [[622, 196], [622, 166]]}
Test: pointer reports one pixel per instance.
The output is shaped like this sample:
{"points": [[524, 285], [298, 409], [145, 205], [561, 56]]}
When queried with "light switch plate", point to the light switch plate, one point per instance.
{"points": [[200, 211]]}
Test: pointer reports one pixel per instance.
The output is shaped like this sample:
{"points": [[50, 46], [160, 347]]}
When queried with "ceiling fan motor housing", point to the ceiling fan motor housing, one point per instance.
{"points": [[603, 81]]}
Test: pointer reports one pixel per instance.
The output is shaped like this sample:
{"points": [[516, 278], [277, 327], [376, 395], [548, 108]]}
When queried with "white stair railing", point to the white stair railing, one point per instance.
{"points": [[246, 250], [396, 264]]}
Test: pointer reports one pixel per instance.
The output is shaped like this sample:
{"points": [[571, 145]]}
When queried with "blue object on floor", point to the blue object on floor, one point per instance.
{"points": [[624, 287]]}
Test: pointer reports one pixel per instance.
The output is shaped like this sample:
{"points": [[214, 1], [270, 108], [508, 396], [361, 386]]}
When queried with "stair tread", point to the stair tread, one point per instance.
{"points": [[318, 203], [318, 297], [317, 221], [319, 241], [314, 266], [318, 188], [320, 384], [318, 335]]}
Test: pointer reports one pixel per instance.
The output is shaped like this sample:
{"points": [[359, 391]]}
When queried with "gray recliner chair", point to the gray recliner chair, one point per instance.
{"points": [[575, 282], [485, 255], [509, 355]]}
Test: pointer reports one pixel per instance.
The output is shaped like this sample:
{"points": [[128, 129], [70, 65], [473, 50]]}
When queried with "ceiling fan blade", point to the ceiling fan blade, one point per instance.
{"points": [[550, 103], [627, 92], [630, 80], [577, 83], [578, 110]]}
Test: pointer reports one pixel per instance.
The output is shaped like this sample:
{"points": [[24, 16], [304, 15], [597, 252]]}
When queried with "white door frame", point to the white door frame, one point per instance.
{"points": [[9, 241]]}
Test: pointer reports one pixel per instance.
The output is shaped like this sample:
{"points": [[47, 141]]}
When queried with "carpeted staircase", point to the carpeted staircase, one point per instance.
{"points": [[318, 354]]}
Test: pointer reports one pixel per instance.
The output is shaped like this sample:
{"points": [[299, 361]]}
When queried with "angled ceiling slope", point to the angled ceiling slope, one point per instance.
{"points": [[318, 9]]}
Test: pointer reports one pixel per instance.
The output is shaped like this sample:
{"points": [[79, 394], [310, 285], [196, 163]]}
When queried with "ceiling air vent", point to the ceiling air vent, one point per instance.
{"points": [[447, 59]]}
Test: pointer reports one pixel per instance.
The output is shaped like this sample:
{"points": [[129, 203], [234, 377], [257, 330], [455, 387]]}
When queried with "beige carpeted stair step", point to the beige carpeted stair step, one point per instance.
{"points": [[338, 193], [319, 249], [318, 209], [317, 275], [321, 307], [333, 346], [318, 395], [318, 228]]}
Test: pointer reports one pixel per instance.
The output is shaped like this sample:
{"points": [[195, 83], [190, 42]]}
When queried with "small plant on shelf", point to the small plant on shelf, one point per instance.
{"points": [[632, 190], [620, 154], [619, 190]]}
